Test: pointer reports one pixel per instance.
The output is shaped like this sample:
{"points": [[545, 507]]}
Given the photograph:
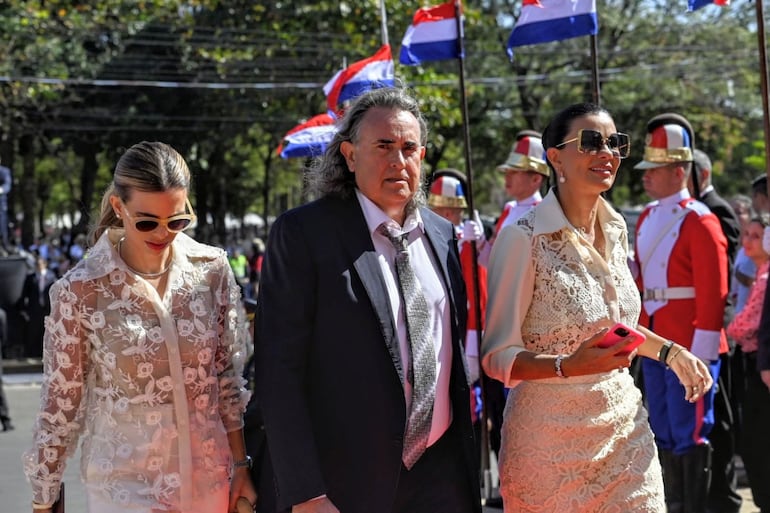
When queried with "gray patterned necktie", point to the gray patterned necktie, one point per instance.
{"points": [[422, 370]]}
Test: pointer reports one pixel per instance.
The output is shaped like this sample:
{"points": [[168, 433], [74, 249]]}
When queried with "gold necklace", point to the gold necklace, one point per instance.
{"points": [[146, 276]]}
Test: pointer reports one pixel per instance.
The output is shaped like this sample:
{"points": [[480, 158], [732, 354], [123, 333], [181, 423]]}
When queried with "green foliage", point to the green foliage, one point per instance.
{"points": [[247, 71]]}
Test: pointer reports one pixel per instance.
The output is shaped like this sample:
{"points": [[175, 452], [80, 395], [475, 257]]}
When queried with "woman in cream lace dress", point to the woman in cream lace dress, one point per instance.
{"points": [[143, 355], [575, 434]]}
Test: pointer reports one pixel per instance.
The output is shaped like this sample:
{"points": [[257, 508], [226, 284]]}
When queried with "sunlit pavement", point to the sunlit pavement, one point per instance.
{"points": [[22, 390]]}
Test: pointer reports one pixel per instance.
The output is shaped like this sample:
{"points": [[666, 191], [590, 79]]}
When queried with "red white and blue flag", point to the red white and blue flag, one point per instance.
{"points": [[432, 36], [361, 76], [694, 5], [310, 138], [544, 21]]}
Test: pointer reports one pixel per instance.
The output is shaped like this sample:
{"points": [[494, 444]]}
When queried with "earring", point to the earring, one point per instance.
{"points": [[562, 179]]}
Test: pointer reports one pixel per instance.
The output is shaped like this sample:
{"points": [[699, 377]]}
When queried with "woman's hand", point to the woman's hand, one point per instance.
{"points": [[241, 486], [693, 374], [589, 358]]}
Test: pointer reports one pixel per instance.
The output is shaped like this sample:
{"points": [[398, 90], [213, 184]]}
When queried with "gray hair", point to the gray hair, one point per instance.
{"points": [[330, 175]]}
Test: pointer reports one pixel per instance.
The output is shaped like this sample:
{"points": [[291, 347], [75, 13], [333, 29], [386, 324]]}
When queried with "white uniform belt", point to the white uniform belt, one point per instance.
{"points": [[668, 293]]}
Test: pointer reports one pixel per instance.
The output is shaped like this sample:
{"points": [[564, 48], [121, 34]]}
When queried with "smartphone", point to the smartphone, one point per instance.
{"points": [[618, 333]]}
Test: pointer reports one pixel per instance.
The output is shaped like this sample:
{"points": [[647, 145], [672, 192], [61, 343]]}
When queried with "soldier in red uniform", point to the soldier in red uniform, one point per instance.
{"points": [[681, 255], [525, 171]]}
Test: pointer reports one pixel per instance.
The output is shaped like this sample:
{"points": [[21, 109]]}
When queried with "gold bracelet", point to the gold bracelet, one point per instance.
{"points": [[673, 357]]}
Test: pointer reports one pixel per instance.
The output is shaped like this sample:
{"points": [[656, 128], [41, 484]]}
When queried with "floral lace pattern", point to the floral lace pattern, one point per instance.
{"points": [[152, 384], [580, 444]]}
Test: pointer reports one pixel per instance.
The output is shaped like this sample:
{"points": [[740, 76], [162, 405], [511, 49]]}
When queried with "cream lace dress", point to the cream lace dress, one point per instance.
{"points": [[153, 385], [580, 444]]}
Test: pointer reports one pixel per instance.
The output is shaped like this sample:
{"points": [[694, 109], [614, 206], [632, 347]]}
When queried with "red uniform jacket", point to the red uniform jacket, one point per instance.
{"points": [[691, 251]]}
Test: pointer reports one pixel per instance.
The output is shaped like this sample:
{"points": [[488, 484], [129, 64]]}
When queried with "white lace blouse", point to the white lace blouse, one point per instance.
{"points": [[549, 289], [152, 384]]}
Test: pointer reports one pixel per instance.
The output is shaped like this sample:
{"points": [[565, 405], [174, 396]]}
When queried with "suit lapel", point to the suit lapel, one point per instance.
{"points": [[354, 236]]}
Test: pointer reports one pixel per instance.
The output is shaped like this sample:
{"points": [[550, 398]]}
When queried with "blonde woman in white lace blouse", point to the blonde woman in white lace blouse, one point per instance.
{"points": [[143, 354], [575, 434]]}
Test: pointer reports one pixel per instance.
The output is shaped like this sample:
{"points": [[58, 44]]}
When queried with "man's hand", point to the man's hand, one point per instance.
{"points": [[473, 229], [320, 505]]}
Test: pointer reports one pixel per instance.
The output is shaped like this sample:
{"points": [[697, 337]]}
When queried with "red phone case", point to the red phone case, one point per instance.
{"points": [[618, 333]]}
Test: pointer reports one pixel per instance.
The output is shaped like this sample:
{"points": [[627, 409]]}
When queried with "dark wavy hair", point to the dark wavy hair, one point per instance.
{"points": [[329, 175]]}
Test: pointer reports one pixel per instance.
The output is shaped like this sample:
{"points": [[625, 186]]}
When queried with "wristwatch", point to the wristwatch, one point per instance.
{"points": [[244, 463]]}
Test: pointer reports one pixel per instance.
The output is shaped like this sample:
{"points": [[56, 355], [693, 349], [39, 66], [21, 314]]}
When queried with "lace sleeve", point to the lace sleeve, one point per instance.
{"points": [[59, 422], [510, 283], [231, 352]]}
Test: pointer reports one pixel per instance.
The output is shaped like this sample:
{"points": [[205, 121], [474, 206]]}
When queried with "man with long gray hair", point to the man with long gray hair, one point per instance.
{"points": [[359, 332]]}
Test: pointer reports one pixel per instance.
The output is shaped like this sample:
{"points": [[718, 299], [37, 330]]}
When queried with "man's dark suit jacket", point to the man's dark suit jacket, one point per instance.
{"points": [[329, 374]]}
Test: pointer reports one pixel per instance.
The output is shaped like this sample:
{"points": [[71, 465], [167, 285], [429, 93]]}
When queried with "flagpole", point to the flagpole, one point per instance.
{"points": [[384, 22], [476, 303], [764, 85], [595, 70]]}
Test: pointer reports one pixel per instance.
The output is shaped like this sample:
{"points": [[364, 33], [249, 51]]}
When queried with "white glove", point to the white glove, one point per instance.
{"points": [[473, 229], [766, 240]]}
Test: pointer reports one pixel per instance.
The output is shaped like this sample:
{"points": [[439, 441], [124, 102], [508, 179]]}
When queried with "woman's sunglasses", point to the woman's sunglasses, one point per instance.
{"points": [[173, 224], [592, 141]]}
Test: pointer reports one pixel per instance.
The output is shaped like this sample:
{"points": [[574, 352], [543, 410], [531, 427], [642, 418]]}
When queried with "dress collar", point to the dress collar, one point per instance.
{"points": [[549, 218]]}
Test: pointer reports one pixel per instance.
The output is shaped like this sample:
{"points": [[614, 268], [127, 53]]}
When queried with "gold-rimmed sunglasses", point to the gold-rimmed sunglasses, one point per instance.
{"points": [[174, 224], [592, 141]]}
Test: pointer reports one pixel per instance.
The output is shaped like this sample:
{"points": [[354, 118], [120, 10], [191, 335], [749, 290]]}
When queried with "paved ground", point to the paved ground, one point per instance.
{"points": [[23, 392]]}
